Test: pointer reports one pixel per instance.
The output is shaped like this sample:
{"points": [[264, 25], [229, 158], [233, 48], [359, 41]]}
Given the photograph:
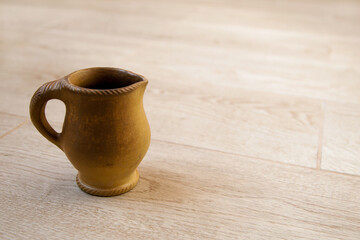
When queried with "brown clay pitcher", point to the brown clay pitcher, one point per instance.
{"points": [[105, 133]]}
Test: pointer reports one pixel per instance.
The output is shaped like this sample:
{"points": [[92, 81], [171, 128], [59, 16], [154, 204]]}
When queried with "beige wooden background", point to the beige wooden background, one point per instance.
{"points": [[254, 108]]}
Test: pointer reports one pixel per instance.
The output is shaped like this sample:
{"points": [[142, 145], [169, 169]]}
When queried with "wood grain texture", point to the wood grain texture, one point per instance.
{"points": [[341, 150], [245, 99], [183, 192]]}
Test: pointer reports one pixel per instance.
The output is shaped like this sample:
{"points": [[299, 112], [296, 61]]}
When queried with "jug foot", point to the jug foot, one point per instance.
{"points": [[108, 192]]}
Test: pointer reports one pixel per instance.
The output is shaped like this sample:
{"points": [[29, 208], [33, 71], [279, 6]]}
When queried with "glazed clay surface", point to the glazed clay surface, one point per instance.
{"points": [[105, 133]]}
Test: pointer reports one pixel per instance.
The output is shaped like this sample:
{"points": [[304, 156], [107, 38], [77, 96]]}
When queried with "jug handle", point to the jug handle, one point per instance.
{"points": [[48, 91]]}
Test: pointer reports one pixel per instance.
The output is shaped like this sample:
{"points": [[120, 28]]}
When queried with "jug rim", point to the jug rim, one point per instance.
{"points": [[106, 91]]}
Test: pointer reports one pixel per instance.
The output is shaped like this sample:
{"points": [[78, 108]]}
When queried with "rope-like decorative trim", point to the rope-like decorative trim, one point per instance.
{"points": [[107, 192], [48, 87], [103, 92]]}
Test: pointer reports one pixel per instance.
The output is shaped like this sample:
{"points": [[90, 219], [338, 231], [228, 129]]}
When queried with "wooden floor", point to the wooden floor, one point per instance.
{"points": [[254, 108]]}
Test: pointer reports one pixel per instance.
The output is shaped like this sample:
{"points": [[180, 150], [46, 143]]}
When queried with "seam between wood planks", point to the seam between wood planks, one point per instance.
{"points": [[13, 114], [321, 136], [15, 128]]}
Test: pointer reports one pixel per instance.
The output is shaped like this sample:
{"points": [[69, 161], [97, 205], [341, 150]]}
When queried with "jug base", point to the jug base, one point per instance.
{"points": [[108, 192]]}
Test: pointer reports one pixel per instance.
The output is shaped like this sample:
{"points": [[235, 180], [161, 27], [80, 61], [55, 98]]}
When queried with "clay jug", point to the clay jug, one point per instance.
{"points": [[105, 134]]}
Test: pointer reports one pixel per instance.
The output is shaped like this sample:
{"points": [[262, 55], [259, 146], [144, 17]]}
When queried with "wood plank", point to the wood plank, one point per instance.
{"points": [[341, 151], [258, 60], [184, 192], [226, 119]]}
